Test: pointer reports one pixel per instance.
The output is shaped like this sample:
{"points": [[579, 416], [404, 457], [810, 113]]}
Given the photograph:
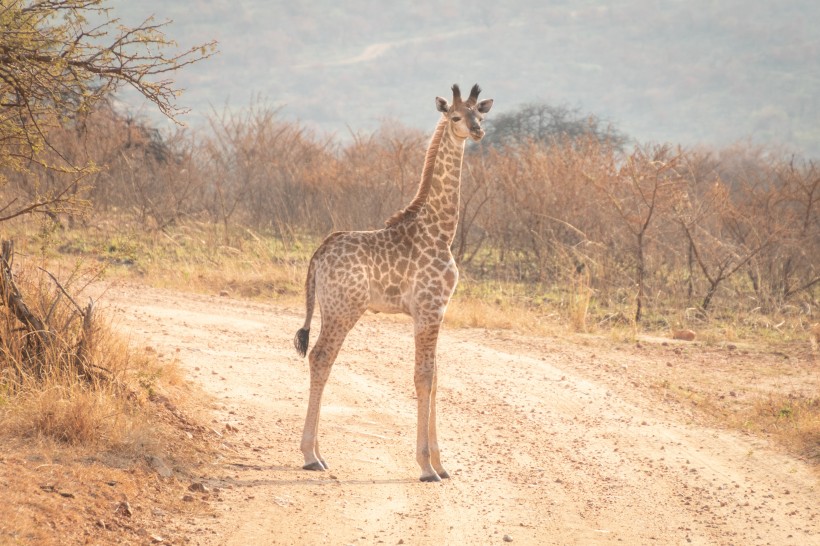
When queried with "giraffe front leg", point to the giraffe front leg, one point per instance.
{"points": [[426, 445], [435, 451], [423, 444]]}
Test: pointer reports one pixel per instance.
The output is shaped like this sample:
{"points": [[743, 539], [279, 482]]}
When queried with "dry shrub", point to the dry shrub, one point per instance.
{"points": [[46, 335], [53, 392]]}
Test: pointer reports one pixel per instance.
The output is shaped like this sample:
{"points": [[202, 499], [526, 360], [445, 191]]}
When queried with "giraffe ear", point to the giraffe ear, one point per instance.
{"points": [[484, 106], [441, 105]]}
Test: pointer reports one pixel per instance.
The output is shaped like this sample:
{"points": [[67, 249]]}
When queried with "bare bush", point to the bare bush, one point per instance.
{"points": [[261, 170], [641, 193], [745, 212], [789, 268], [655, 228]]}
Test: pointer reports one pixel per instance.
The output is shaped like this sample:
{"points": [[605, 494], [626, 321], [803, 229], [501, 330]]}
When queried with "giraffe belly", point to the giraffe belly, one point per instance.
{"points": [[380, 307], [386, 300]]}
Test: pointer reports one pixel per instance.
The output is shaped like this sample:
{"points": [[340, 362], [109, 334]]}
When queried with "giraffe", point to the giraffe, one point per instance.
{"points": [[405, 267]]}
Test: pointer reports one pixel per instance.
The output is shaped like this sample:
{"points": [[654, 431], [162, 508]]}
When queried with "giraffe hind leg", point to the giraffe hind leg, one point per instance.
{"points": [[320, 367], [322, 356]]}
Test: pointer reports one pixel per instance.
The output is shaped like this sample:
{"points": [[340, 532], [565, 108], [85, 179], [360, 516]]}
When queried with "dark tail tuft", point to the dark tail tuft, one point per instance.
{"points": [[301, 341]]}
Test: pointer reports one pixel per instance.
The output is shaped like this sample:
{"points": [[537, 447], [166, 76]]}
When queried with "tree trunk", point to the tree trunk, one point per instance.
{"points": [[707, 299], [639, 273]]}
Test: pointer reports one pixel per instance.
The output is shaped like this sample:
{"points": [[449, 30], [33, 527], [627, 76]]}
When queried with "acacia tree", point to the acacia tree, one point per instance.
{"points": [[55, 65], [550, 125]]}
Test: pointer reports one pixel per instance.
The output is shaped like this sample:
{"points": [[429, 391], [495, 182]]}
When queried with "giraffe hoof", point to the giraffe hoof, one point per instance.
{"points": [[314, 466], [432, 478], [324, 464], [444, 475]]}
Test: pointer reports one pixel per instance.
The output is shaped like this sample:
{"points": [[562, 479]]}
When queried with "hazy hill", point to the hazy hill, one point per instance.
{"points": [[689, 72]]}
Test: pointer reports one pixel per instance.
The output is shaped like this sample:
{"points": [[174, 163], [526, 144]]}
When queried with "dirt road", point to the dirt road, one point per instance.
{"points": [[547, 441]]}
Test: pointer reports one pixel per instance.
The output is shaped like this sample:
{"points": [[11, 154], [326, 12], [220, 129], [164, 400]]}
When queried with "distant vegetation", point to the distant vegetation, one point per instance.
{"points": [[653, 230]]}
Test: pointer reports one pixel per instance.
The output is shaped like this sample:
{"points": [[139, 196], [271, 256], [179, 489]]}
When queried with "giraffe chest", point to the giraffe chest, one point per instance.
{"points": [[424, 281]]}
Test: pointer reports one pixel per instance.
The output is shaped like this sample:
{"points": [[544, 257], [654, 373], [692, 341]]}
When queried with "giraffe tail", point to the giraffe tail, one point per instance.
{"points": [[300, 341]]}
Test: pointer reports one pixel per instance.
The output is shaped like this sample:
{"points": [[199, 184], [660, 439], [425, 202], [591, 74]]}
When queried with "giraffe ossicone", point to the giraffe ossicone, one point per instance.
{"points": [[405, 267]]}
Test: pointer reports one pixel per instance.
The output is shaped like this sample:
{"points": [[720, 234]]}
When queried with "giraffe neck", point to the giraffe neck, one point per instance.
{"points": [[439, 215]]}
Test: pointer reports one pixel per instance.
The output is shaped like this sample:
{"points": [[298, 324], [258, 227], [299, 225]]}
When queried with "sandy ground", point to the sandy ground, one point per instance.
{"points": [[548, 441]]}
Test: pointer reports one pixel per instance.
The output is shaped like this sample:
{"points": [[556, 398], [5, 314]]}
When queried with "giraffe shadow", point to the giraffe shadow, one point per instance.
{"points": [[301, 477]]}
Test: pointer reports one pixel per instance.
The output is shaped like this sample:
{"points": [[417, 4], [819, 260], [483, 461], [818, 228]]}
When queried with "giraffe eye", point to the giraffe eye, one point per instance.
{"points": [[455, 118]]}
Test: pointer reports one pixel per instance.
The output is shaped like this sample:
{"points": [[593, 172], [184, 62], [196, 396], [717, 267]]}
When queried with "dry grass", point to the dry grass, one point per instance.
{"points": [[113, 415], [498, 307], [793, 419], [53, 390], [471, 312], [195, 257], [579, 299]]}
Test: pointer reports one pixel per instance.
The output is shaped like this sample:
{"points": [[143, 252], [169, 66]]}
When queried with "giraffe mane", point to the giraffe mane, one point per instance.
{"points": [[411, 210]]}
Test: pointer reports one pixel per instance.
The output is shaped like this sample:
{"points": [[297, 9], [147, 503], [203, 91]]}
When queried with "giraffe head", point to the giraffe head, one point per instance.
{"points": [[465, 116]]}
